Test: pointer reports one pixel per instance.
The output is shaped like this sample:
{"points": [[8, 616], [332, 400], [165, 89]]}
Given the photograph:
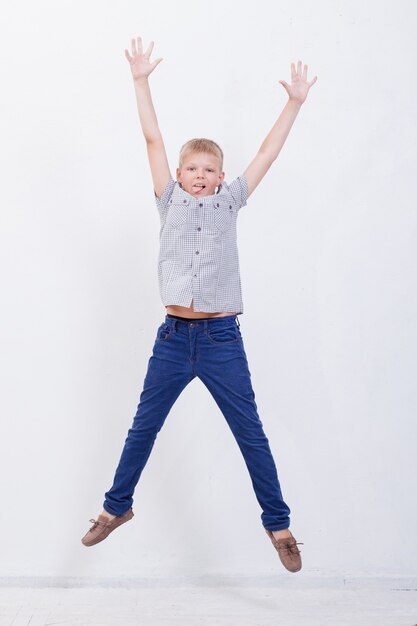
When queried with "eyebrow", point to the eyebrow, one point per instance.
{"points": [[207, 164]]}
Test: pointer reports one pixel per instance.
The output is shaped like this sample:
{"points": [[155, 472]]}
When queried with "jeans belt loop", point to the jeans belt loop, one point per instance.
{"points": [[237, 321]]}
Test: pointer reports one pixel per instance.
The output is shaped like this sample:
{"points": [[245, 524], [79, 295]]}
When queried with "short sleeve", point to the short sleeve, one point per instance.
{"points": [[238, 189], [162, 202]]}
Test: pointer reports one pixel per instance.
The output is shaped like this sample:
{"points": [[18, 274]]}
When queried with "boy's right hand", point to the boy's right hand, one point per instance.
{"points": [[139, 62]]}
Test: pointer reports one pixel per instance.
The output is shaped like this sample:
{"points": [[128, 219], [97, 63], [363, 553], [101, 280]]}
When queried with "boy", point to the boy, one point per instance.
{"points": [[198, 272]]}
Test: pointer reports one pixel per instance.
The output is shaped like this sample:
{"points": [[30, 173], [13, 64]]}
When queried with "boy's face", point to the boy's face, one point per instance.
{"points": [[200, 174]]}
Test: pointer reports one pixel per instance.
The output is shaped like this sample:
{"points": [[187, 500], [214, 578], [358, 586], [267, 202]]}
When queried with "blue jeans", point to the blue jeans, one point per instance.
{"points": [[211, 349]]}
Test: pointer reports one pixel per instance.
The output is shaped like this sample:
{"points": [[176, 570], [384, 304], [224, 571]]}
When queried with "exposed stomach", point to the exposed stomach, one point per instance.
{"points": [[183, 311]]}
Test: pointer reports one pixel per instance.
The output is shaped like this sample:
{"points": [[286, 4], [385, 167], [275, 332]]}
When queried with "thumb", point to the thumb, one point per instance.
{"points": [[284, 84], [155, 63]]}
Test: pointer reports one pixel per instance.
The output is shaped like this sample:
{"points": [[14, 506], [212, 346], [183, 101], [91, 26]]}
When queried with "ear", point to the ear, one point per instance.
{"points": [[178, 174]]}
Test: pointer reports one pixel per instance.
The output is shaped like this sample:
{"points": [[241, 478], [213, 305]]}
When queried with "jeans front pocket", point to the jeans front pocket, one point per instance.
{"points": [[223, 334], [164, 332]]}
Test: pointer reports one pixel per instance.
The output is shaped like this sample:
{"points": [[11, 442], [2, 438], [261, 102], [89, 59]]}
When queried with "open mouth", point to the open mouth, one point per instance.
{"points": [[198, 188]]}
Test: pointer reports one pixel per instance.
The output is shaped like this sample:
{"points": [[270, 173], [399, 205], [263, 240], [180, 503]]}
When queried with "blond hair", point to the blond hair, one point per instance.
{"points": [[201, 145]]}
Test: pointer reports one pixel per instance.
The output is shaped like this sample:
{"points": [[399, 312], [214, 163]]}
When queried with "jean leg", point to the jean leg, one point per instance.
{"points": [[224, 371], [168, 374]]}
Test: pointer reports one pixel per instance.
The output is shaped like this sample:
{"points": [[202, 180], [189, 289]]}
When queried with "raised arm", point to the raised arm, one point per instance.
{"points": [[276, 137], [141, 67]]}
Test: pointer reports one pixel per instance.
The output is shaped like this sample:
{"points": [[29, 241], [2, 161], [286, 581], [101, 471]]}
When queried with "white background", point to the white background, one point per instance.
{"points": [[328, 261]]}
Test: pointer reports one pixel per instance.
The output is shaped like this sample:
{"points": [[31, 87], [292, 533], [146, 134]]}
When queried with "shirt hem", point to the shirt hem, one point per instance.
{"points": [[238, 309]]}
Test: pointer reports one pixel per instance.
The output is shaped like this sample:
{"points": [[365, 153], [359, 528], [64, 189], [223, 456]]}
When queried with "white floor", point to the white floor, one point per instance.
{"points": [[287, 601]]}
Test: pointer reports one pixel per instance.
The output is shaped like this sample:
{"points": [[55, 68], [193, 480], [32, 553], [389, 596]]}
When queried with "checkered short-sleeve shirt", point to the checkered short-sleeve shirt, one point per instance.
{"points": [[198, 257]]}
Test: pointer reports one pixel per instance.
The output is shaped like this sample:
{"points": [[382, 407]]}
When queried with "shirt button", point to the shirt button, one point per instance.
{"points": [[199, 228], [195, 275], [184, 201], [197, 252], [201, 204], [217, 204]]}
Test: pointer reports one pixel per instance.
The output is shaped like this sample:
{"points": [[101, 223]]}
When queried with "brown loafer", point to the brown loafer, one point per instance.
{"points": [[102, 527], [287, 551]]}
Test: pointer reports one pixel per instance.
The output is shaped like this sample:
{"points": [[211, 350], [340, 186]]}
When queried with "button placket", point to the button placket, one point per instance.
{"points": [[198, 241], [198, 222]]}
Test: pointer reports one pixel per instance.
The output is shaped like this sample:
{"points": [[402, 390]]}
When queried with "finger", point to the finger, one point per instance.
{"points": [[140, 50], [292, 70], [284, 84], [127, 55], [312, 81], [155, 63], [299, 64], [305, 71], [149, 50], [134, 51]]}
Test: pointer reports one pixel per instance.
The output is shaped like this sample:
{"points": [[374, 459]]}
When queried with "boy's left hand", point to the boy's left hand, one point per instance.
{"points": [[299, 87]]}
